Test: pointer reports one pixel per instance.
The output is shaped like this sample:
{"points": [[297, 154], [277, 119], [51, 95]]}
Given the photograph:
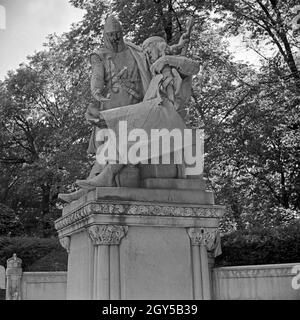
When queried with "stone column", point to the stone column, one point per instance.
{"points": [[13, 278], [202, 241], [106, 240]]}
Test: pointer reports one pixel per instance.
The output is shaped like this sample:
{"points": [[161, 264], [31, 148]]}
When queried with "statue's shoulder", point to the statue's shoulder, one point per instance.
{"points": [[133, 46], [101, 53]]}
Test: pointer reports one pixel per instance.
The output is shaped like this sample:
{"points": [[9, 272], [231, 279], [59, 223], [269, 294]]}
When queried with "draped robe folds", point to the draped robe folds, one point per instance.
{"points": [[153, 113]]}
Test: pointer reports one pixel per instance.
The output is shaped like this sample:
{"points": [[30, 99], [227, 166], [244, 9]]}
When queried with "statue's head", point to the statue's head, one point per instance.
{"points": [[154, 47], [113, 34]]}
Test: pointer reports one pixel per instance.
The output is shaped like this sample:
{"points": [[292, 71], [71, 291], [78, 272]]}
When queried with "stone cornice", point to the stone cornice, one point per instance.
{"points": [[107, 234], [136, 209]]}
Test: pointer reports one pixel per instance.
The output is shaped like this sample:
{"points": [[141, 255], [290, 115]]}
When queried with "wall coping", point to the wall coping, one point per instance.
{"points": [[256, 271], [45, 273], [259, 266]]}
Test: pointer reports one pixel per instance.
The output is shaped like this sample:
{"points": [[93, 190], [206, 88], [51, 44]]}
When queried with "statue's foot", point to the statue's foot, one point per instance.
{"points": [[69, 197], [104, 179]]}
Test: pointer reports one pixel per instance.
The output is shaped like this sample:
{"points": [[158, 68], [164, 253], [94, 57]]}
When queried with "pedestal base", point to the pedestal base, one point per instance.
{"points": [[139, 250]]}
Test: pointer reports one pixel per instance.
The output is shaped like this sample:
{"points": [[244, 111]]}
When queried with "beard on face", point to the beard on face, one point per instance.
{"points": [[115, 42]]}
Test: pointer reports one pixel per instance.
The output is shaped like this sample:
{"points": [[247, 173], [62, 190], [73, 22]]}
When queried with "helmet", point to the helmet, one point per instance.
{"points": [[112, 24]]}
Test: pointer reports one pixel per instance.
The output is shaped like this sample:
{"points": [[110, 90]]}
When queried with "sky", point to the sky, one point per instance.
{"points": [[28, 22]]}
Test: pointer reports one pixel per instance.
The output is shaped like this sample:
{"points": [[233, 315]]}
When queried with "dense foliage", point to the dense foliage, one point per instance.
{"points": [[37, 254], [250, 115], [261, 246]]}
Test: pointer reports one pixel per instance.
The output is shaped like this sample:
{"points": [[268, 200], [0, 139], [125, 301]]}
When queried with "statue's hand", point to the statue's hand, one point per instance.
{"points": [[184, 39], [104, 104], [158, 65], [92, 114], [97, 94]]}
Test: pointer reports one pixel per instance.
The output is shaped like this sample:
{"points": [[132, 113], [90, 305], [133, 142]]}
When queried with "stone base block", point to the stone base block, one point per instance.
{"points": [[184, 184], [124, 249]]}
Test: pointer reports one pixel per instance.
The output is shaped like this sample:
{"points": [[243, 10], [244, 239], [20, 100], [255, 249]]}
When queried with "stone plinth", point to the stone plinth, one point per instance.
{"points": [[162, 248], [183, 184]]}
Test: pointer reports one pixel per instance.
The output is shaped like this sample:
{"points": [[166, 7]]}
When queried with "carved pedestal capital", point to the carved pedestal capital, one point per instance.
{"points": [[206, 237], [65, 243], [107, 234]]}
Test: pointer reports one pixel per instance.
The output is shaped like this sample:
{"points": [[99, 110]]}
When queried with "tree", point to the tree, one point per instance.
{"points": [[44, 137], [250, 116], [8, 221], [265, 20]]}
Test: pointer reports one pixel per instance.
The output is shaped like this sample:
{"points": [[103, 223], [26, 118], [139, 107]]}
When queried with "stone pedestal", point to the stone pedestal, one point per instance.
{"points": [[140, 244]]}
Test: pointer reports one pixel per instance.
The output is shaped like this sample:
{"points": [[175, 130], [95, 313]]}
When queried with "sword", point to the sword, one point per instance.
{"points": [[188, 32]]}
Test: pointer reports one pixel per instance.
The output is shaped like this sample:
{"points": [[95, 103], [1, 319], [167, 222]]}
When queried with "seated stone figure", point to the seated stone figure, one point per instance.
{"points": [[177, 70], [176, 81]]}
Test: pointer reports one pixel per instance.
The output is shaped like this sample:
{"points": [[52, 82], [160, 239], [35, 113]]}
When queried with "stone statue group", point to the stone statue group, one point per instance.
{"points": [[124, 74]]}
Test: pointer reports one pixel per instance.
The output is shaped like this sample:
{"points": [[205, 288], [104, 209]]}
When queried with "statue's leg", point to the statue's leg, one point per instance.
{"points": [[104, 179], [69, 197], [96, 169]]}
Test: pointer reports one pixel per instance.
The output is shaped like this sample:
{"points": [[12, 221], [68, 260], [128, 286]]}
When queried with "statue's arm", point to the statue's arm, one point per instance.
{"points": [[97, 78], [92, 114], [185, 66], [176, 49]]}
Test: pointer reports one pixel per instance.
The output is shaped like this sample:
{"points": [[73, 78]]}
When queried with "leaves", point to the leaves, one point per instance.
{"points": [[250, 116]]}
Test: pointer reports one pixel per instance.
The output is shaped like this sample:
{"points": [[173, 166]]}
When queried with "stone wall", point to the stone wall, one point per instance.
{"points": [[21, 285], [44, 286], [261, 282]]}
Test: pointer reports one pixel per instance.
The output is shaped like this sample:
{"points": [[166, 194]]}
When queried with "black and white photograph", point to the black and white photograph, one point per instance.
{"points": [[149, 151]]}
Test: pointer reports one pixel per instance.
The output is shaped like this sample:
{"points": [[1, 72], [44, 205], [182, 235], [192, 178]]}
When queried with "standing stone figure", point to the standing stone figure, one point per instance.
{"points": [[120, 77]]}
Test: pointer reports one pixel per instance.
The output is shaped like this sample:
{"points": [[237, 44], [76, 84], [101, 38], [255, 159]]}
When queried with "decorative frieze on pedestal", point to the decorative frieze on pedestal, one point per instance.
{"points": [[107, 234], [133, 209]]}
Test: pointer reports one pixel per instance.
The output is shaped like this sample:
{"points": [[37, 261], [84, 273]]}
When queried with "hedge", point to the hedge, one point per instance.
{"points": [[261, 246], [37, 254]]}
